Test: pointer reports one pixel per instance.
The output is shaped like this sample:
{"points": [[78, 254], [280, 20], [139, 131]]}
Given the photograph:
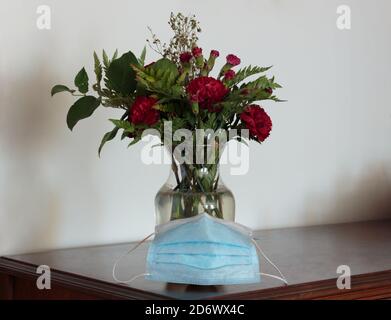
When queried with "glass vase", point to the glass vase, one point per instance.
{"points": [[193, 189]]}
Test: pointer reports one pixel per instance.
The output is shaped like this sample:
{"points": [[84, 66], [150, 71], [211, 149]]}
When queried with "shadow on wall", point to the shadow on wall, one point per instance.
{"points": [[30, 208], [367, 197], [32, 213]]}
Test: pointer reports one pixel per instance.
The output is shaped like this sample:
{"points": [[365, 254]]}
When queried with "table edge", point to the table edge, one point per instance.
{"points": [[319, 289]]}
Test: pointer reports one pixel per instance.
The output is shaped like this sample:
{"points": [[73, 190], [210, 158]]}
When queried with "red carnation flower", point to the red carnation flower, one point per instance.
{"points": [[214, 53], [230, 74], [196, 52], [185, 57], [233, 60], [142, 112], [257, 121], [207, 91]]}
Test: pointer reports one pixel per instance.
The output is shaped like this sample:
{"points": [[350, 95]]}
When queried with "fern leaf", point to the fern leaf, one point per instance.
{"points": [[106, 60], [97, 68], [246, 72]]}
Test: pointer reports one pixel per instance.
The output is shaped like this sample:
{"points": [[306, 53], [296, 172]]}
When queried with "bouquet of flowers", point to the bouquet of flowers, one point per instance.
{"points": [[182, 88]]}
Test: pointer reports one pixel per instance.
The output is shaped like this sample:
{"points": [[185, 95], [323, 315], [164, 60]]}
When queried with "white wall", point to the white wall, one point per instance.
{"points": [[327, 161]]}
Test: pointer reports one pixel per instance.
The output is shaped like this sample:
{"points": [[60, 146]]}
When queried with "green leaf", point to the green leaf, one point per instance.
{"points": [[245, 73], [60, 88], [120, 75], [81, 81], [274, 98], [115, 55], [81, 109], [161, 77], [97, 68], [210, 122], [164, 107], [165, 69], [261, 83], [118, 101], [134, 141], [106, 60], [178, 123], [142, 56], [124, 135], [123, 124], [107, 137]]}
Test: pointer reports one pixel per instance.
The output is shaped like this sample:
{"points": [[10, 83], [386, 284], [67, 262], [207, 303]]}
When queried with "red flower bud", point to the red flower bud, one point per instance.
{"points": [[233, 60], [214, 53], [185, 57], [269, 91], [230, 74], [196, 52]]}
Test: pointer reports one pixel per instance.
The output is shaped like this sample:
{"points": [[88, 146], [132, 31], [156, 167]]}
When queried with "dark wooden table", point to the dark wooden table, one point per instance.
{"points": [[308, 256]]}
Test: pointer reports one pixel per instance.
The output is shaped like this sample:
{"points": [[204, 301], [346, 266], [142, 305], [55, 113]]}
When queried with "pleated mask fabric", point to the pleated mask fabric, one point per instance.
{"points": [[203, 250]]}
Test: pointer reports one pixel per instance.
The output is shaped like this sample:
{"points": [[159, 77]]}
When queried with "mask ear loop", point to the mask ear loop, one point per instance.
{"points": [[282, 278], [123, 256]]}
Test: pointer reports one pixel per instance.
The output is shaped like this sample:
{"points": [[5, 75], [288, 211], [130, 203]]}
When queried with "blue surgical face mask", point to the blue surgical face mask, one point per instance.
{"points": [[203, 250]]}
